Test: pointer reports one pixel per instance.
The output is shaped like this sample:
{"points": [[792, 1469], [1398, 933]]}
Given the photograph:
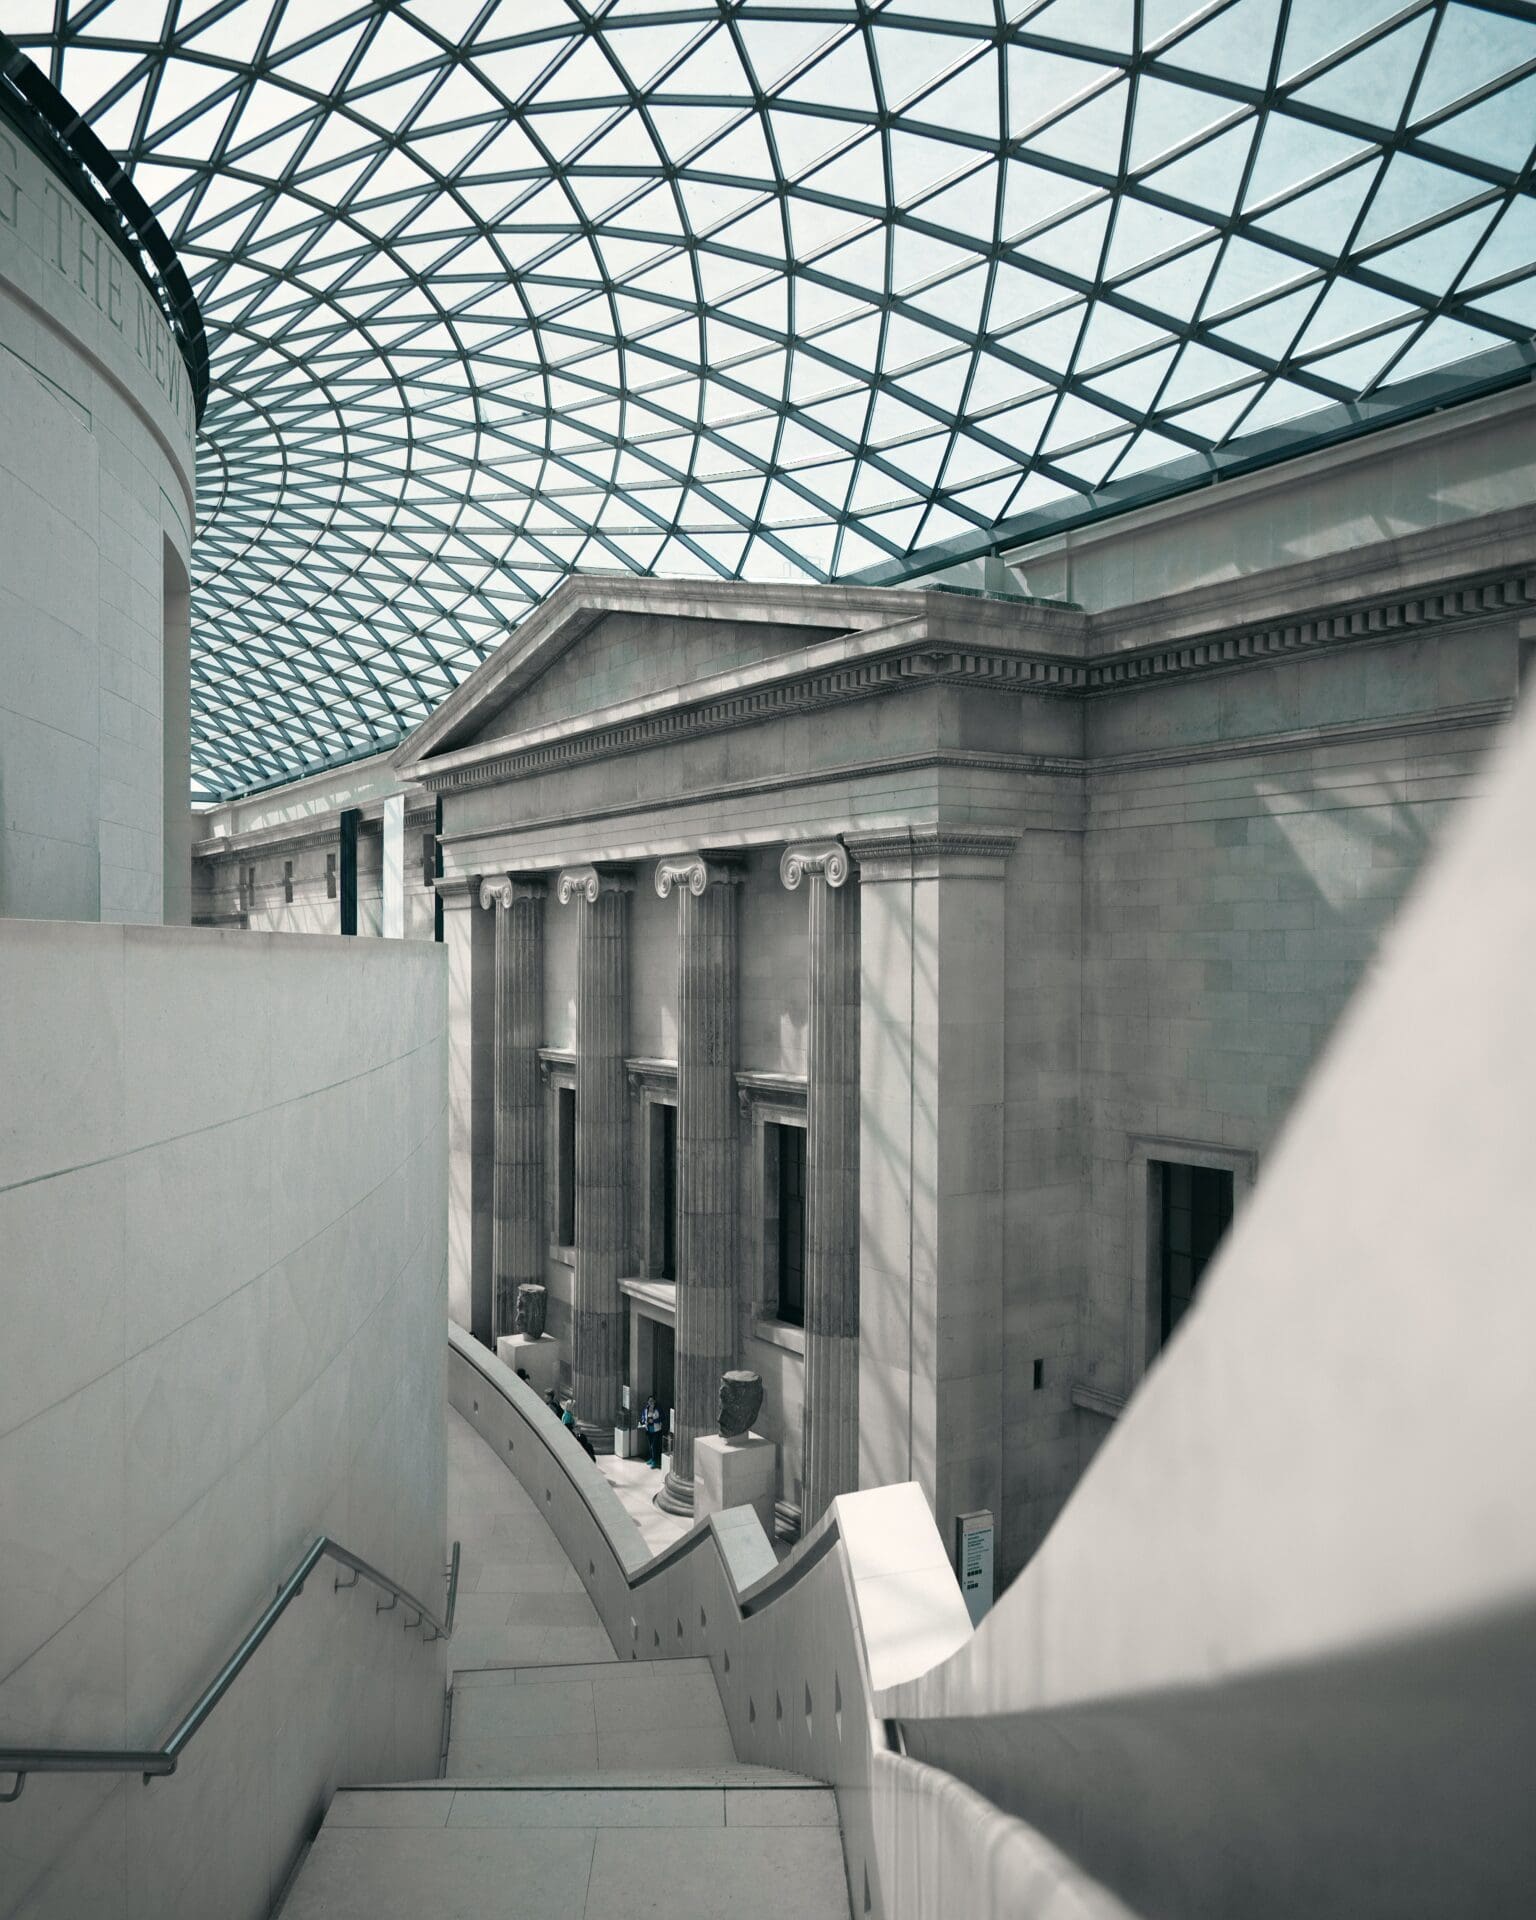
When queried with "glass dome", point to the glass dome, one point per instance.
{"points": [[497, 289]]}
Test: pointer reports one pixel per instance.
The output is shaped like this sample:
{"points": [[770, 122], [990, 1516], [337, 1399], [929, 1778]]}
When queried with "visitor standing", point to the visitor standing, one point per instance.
{"points": [[651, 1427]]}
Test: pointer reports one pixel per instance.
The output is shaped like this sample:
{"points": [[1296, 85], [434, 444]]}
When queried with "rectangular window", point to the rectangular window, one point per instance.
{"points": [[288, 882], [351, 818], [1196, 1212], [428, 858], [565, 1166], [790, 1154], [330, 876]]}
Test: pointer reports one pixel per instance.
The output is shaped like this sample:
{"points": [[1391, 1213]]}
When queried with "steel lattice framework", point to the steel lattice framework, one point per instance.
{"points": [[496, 289]]}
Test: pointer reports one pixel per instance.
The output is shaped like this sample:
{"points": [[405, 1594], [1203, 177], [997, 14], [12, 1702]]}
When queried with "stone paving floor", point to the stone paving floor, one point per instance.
{"points": [[635, 1483], [521, 1602]]}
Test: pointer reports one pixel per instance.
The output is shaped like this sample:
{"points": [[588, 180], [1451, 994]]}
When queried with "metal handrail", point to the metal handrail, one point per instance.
{"points": [[157, 1762]]}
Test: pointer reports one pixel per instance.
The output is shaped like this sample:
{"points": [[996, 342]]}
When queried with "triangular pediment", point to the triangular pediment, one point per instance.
{"points": [[604, 643]]}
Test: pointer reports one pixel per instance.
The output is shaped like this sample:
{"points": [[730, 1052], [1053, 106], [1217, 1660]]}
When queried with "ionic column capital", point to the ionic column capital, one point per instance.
{"points": [[695, 872], [589, 883], [828, 858], [501, 889]]}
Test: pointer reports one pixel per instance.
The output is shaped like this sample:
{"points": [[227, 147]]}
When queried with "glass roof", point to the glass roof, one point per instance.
{"points": [[498, 289]]}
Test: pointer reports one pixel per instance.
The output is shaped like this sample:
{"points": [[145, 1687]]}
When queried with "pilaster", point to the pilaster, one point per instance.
{"points": [[831, 1418], [707, 1122], [468, 935], [932, 1115], [518, 1190], [602, 1102]]}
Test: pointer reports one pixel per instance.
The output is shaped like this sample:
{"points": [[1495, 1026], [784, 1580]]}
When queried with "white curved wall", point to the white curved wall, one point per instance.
{"points": [[222, 1291], [96, 506]]}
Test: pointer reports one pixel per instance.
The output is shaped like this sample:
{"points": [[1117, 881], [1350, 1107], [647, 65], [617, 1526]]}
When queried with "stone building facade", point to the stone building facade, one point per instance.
{"points": [[894, 991]]}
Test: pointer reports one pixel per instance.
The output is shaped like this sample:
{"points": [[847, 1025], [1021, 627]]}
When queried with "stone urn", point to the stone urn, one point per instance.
{"points": [[532, 1309], [741, 1400]]}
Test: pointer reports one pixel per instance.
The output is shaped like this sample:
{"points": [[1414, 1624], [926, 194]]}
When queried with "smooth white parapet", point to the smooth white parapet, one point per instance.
{"points": [[539, 1359], [735, 1473]]}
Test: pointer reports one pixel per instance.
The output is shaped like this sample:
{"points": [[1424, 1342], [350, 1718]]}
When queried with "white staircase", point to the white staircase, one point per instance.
{"points": [[605, 1790]]}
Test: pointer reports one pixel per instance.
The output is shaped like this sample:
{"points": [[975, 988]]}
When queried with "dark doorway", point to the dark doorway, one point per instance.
{"points": [[565, 1166], [791, 1224], [666, 1188], [1196, 1212], [663, 1366]]}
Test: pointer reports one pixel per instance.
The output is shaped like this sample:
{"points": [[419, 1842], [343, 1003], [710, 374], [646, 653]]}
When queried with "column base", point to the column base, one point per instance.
{"points": [[736, 1473], [675, 1494]]}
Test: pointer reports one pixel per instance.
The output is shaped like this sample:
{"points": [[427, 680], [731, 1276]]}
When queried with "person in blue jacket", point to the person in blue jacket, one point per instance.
{"points": [[651, 1426]]}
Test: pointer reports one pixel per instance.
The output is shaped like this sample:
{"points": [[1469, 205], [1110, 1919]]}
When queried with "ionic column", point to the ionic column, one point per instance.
{"points": [[602, 1111], [707, 1121], [830, 1435], [517, 1238]]}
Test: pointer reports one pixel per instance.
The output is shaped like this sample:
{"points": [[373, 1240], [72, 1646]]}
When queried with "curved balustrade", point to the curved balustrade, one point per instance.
{"points": [[157, 1762], [803, 1653]]}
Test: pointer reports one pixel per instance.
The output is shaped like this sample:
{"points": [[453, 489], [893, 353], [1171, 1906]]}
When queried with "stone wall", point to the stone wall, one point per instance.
{"points": [[1233, 900], [96, 433], [222, 1201], [304, 860]]}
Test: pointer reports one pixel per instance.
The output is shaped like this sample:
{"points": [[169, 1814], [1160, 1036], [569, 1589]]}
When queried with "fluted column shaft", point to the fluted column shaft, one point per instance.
{"points": [[518, 1191], [830, 1434], [707, 1120], [602, 1112]]}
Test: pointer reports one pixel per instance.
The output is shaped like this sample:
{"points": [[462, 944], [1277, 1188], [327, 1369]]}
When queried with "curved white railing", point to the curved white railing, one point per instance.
{"points": [[802, 1653]]}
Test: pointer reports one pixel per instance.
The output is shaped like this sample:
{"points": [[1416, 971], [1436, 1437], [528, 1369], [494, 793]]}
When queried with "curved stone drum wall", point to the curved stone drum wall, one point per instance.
{"points": [[97, 428]]}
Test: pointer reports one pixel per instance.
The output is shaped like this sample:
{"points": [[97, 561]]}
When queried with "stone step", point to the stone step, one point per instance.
{"points": [[531, 1723], [593, 1851]]}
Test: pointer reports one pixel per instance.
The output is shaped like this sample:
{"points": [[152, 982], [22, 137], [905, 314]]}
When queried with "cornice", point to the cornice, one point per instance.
{"points": [[1374, 620], [266, 842], [771, 1090], [1487, 713], [315, 830], [650, 1076], [579, 602], [921, 662], [555, 1062], [875, 850]]}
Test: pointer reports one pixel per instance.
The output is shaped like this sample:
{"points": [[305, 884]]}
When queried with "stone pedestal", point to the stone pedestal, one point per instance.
{"points": [[539, 1359], [735, 1473]]}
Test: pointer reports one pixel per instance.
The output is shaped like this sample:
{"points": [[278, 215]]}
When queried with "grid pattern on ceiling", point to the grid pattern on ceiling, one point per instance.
{"points": [[496, 289]]}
